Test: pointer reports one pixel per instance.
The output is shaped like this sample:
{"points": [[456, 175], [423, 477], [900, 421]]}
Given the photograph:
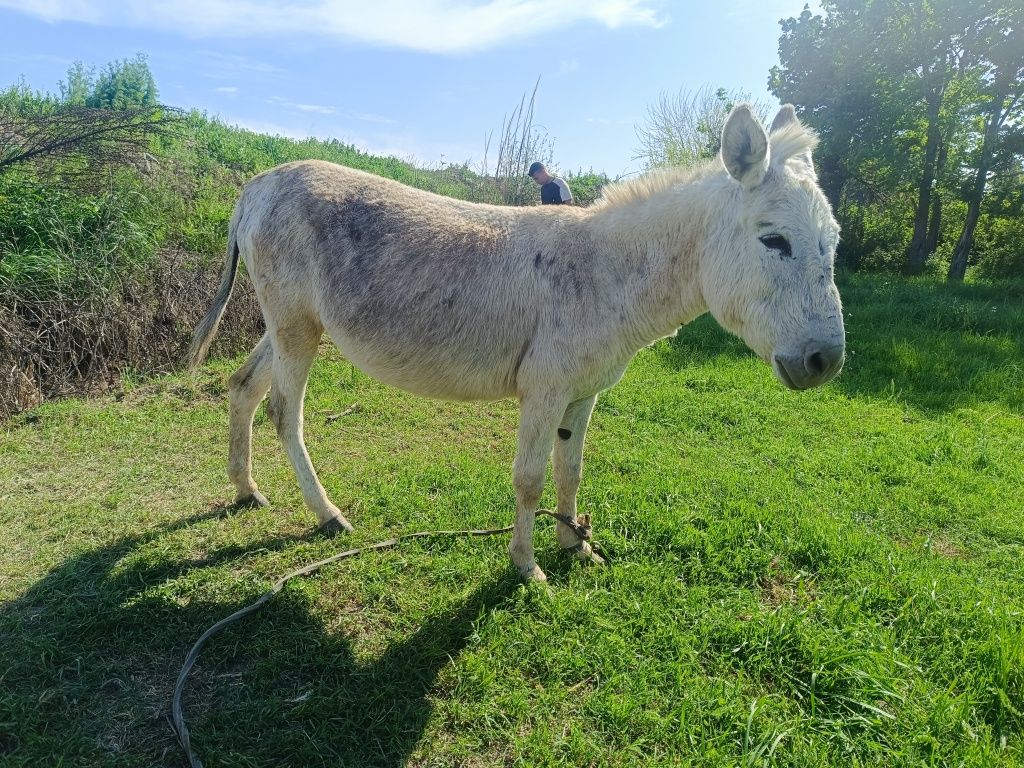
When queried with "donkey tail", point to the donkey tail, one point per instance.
{"points": [[202, 336]]}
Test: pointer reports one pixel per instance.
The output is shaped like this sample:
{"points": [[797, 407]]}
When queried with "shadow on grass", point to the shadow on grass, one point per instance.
{"points": [[931, 345], [88, 662]]}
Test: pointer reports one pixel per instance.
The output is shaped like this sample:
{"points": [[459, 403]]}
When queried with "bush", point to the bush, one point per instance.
{"points": [[999, 249]]}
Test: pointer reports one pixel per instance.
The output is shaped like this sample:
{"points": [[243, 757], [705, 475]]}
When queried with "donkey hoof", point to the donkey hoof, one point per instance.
{"points": [[334, 526], [252, 501], [532, 574]]}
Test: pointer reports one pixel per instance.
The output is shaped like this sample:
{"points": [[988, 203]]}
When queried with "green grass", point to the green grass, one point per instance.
{"points": [[826, 578]]}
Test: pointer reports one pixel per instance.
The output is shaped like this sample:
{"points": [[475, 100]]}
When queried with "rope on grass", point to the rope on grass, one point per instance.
{"points": [[581, 527]]}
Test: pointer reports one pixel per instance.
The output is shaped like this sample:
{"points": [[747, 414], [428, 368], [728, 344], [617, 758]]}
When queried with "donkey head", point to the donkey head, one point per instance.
{"points": [[770, 281]]}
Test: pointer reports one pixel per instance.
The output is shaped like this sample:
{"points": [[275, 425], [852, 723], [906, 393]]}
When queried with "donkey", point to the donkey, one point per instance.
{"points": [[459, 300]]}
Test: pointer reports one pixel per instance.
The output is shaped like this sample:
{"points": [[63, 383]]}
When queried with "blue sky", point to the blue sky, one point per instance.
{"points": [[421, 80]]}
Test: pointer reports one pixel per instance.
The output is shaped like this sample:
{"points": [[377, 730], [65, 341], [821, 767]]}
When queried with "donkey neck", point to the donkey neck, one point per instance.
{"points": [[657, 243]]}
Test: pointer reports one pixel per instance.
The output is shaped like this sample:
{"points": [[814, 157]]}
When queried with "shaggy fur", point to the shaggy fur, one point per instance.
{"points": [[458, 300]]}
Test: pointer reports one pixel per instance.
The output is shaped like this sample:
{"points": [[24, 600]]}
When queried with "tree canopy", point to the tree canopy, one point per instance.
{"points": [[919, 106]]}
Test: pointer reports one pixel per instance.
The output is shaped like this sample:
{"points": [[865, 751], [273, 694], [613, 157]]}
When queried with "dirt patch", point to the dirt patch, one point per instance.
{"points": [[944, 547], [779, 587], [938, 545]]}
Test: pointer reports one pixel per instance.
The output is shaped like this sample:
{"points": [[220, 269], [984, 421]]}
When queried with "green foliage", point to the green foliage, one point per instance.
{"points": [[124, 84], [685, 128], [1000, 252], [586, 186], [80, 86], [900, 95], [55, 242]]}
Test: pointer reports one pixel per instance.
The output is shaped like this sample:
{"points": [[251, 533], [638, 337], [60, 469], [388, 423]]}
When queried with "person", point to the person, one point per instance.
{"points": [[553, 190]]}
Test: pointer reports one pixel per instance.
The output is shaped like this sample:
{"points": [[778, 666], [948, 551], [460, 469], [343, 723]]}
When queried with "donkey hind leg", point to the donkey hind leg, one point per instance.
{"points": [[567, 462], [294, 350], [246, 388], [538, 419]]}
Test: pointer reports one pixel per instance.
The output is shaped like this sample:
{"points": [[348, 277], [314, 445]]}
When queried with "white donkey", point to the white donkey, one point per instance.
{"points": [[459, 300]]}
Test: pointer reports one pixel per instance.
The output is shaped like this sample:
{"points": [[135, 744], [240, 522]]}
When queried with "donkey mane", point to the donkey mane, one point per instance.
{"points": [[786, 143], [650, 184], [791, 140]]}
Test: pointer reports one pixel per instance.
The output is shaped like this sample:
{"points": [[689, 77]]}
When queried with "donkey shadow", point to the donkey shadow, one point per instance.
{"points": [[914, 342], [88, 666]]}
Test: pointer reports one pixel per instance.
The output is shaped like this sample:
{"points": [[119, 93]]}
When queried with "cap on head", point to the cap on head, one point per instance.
{"points": [[535, 168]]}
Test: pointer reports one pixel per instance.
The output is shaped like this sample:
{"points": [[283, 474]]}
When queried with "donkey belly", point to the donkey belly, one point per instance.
{"points": [[461, 366]]}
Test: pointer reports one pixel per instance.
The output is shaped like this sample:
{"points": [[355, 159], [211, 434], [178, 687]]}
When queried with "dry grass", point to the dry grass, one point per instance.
{"points": [[89, 344]]}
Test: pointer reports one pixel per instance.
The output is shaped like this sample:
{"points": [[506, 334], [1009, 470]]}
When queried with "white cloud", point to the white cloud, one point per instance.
{"points": [[269, 128], [368, 117], [217, 64], [567, 66], [227, 89], [320, 109], [436, 26], [326, 109]]}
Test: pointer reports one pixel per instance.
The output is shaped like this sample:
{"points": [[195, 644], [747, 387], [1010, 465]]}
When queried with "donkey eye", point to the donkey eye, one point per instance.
{"points": [[777, 243]]}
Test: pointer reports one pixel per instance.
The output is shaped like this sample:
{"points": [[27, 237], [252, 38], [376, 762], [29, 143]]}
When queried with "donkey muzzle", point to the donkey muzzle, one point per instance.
{"points": [[811, 367]]}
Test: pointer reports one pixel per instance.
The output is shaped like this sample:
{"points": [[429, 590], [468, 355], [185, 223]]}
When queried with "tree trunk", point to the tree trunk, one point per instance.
{"points": [[917, 253], [958, 266], [832, 178], [851, 245], [935, 222]]}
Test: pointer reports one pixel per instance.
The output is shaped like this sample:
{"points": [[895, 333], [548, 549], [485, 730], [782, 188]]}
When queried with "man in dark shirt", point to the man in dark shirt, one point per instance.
{"points": [[553, 190]]}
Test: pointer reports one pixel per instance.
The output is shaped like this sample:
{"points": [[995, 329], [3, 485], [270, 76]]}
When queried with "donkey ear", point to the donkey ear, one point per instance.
{"points": [[744, 147], [786, 116]]}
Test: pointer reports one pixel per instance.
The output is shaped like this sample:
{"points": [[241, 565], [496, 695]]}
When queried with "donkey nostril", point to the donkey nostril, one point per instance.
{"points": [[815, 363]]}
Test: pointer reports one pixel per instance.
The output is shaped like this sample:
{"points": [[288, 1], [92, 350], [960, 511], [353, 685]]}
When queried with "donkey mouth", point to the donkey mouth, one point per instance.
{"points": [[782, 375], [816, 365]]}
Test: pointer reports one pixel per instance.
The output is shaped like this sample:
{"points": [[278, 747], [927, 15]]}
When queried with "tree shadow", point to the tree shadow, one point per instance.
{"points": [[91, 651], [934, 346], [356, 710]]}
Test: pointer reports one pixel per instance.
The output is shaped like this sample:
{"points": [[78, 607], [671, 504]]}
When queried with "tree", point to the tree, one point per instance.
{"points": [[1002, 50], [890, 86], [827, 71], [95, 137], [93, 123], [78, 88], [929, 45], [686, 127], [124, 84]]}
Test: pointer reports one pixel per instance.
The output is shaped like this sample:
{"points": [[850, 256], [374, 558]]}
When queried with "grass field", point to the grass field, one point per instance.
{"points": [[828, 578]]}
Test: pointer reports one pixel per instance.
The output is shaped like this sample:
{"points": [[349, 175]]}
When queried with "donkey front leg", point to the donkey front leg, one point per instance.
{"points": [[294, 350], [567, 461], [538, 419]]}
